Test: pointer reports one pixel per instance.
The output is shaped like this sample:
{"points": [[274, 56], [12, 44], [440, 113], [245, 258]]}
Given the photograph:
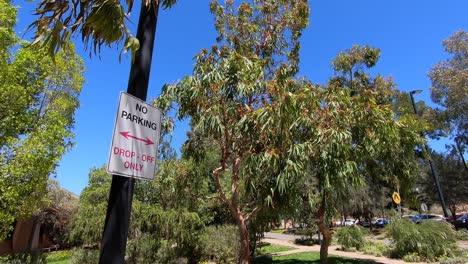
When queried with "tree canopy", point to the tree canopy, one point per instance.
{"points": [[38, 98], [234, 98], [101, 23], [450, 85]]}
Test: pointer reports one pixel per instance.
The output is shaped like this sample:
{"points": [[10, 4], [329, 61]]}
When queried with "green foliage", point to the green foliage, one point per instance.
{"points": [[459, 260], [162, 227], [85, 256], [357, 135], [448, 89], [429, 240], [59, 257], [22, 258], [412, 257], [146, 249], [462, 234], [99, 22], [349, 237], [220, 244], [377, 249], [235, 97], [453, 180], [266, 248], [88, 223], [56, 219], [38, 98], [306, 258]]}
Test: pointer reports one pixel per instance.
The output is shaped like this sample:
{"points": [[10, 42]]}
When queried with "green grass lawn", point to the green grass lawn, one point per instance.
{"points": [[267, 248], [306, 258], [59, 257]]}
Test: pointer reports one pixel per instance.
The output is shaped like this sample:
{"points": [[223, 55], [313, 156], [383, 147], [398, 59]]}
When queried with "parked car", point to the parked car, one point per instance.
{"points": [[451, 220], [349, 222], [381, 222], [363, 223], [462, 221], [430, 217], [413, 218]]}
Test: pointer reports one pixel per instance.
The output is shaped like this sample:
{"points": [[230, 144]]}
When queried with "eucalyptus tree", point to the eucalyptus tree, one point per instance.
{"points": [[349, 136], [235, 88], [449, 86], [453, 181], [38, 98]]}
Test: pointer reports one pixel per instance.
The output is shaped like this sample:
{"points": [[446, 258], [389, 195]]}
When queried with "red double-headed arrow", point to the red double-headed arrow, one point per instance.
{"points": [[127, 135]]}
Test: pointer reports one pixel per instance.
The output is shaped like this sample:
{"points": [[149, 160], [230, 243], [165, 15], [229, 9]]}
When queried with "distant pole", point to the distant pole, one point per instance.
{"points": [[399, 204], [436, 179], [461, 153], [114, 241]]}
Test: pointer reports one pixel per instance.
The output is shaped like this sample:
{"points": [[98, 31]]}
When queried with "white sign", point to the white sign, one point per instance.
{"points": [[424, 207], [135, 140]]}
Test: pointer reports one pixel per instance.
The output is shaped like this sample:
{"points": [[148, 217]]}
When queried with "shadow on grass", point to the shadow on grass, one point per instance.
{"points": [[300, 260]]}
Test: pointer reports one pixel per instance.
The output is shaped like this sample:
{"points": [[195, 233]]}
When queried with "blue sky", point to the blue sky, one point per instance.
{"points": [[409, 34]]}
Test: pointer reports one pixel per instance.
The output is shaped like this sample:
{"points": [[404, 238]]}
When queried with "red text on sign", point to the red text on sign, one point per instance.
{"points": [[147, 158], [124, 152], [133, 166]]}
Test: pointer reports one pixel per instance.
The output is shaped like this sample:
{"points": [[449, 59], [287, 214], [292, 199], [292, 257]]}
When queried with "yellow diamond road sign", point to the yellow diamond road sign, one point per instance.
{"points": [[396, 197]]}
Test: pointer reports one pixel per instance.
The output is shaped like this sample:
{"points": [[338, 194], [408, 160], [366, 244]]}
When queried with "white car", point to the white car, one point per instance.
{"points": [[349, 222], [430, 217]]}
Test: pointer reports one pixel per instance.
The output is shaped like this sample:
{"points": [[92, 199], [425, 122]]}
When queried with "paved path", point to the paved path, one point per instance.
{"points": [[286, 240]]}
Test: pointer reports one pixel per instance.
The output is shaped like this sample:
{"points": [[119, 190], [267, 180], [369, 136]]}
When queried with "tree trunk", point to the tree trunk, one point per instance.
{"points": [[453, 210], [326, 234], [234, 208], [244, 257]]}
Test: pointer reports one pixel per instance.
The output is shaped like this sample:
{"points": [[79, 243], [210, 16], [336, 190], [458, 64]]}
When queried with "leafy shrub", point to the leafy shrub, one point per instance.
{"points": [[413, 257], [38, 258], [143, 250], [349, 237], [220, 244], [307, 234], [306, 242], [430, 240], [377, 249], [459, 260], [85, 256], [462, 234], [58, 256]]}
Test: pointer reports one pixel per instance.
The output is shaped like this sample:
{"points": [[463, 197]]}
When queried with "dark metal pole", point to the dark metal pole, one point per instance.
{"points": [[436, 179], [461, 153], [114, 241]]}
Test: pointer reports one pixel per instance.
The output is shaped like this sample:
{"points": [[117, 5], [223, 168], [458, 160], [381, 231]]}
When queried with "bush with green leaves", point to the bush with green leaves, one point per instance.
{"points": [[413, 257], [349, 237], [377, 249], [429, 240], [220, 244], [58, 256], [462, 234], [457, 260], [143, 250], [85, 256], [22, 258]]}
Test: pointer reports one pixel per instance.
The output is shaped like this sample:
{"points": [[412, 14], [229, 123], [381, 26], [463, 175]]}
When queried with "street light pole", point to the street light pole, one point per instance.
{"points": [[436, 179]]}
